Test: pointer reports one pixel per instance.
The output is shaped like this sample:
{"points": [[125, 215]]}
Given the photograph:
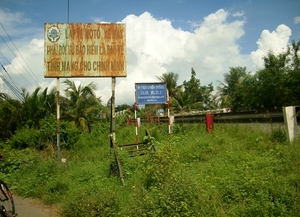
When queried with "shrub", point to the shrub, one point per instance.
{"points": [[91, 202], [25, 138], [69, 133], [159, 167], [97, 137]]}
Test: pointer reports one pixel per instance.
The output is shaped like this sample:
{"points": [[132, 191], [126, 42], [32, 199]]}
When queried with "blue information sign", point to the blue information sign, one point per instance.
{"points": [[150, 93]]}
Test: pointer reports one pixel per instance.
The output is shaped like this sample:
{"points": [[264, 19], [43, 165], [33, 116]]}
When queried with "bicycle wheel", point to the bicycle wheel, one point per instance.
{"points": [[6, 200]]}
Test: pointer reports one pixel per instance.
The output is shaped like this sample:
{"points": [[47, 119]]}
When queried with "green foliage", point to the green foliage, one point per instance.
{"points": [[278, 135], [11, 162], [69, 134], [46, 136], [183, 101], [179, 198], [179, 129], [274, 86], [83, 107], [36, 106], [159, 167], [25, 138], [192, 88], [167, 192], [123, 107], [98, 137], [170, 79], [149, 140], [90, 203], [230, 91], [9, 114], [233, 171], [121, 120]]}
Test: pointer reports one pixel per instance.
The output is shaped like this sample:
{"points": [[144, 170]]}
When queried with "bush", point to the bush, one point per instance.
{"points": [[97, 137], [26, 138], [87, 203], [47, 135], [69, 133], [159, 167]]}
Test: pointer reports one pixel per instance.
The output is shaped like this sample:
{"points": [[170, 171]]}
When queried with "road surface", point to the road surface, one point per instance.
{"points": [[28, 207]]}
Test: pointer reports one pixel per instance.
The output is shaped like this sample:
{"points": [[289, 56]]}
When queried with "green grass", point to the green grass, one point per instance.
{"points": [[233, 171]]}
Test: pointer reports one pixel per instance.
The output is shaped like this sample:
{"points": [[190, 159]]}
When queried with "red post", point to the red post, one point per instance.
{"points": [[209, 122], [151, 119]]}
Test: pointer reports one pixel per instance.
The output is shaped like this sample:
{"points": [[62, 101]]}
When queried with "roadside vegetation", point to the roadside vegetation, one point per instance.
{"points": [[234, 171]]}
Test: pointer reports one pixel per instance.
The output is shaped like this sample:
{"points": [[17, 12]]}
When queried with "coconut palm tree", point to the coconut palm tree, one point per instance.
{"points": [[170, 79], [36, 106], [83, 105], [32, 108], [183, 100], [9, 115]]}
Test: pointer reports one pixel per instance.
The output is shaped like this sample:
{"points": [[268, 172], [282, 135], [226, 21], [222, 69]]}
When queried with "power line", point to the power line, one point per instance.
{"points": [[19, 51], [16, 70], [12, 88], [17, 94], [16, 57], [7, 74], [19, 54]]}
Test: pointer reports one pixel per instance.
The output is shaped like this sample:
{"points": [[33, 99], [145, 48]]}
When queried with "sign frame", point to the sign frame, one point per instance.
{"points": [[84, 50], [151, 93]]}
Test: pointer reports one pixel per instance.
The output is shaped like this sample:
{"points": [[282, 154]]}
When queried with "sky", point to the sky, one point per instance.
{"points": [[161, 36]]}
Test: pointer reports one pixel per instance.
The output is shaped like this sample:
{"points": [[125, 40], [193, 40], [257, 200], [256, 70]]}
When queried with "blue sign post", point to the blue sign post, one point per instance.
{"points": [[151, 93]]}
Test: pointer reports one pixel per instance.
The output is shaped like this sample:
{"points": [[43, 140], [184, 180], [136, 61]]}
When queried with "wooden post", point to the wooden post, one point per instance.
{"points": [[113, 129], [112, 113]]}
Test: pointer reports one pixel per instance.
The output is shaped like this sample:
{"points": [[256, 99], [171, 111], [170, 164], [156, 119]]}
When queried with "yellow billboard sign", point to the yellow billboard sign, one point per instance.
{"points": [[84, 50]]}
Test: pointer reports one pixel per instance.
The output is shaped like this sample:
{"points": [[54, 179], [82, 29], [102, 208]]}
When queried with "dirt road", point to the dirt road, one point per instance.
{"points": [[28, 207]]}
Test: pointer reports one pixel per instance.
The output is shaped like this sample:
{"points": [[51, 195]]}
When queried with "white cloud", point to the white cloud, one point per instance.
{"points": [[238, 14], [155, 47], [14, 23], [97, 19], [275, 41], [297, 20], [9, 18]]}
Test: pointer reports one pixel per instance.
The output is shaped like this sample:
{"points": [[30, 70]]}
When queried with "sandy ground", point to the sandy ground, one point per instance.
{"points": [[28, 207]]}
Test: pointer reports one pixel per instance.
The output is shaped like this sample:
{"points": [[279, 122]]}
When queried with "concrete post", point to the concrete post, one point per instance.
{"points": [[290, 120]]}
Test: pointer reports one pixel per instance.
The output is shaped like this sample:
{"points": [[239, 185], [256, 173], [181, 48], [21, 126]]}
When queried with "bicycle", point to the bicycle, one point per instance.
{"points": [[7, 205]]}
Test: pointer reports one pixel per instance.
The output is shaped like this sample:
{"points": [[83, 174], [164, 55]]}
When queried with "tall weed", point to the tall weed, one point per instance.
{"points": [[233, 171]]}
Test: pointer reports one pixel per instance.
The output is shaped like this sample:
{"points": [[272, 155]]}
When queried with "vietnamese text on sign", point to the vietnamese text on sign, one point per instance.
{"points": [[85, 50], [150, 93]]}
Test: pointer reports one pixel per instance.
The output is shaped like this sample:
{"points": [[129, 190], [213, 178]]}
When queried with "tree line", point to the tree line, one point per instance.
{"points": [[80, 108], [276, 85]]}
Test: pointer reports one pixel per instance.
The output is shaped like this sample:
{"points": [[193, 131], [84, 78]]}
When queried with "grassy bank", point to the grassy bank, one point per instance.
{"points": [[234, 171]]}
